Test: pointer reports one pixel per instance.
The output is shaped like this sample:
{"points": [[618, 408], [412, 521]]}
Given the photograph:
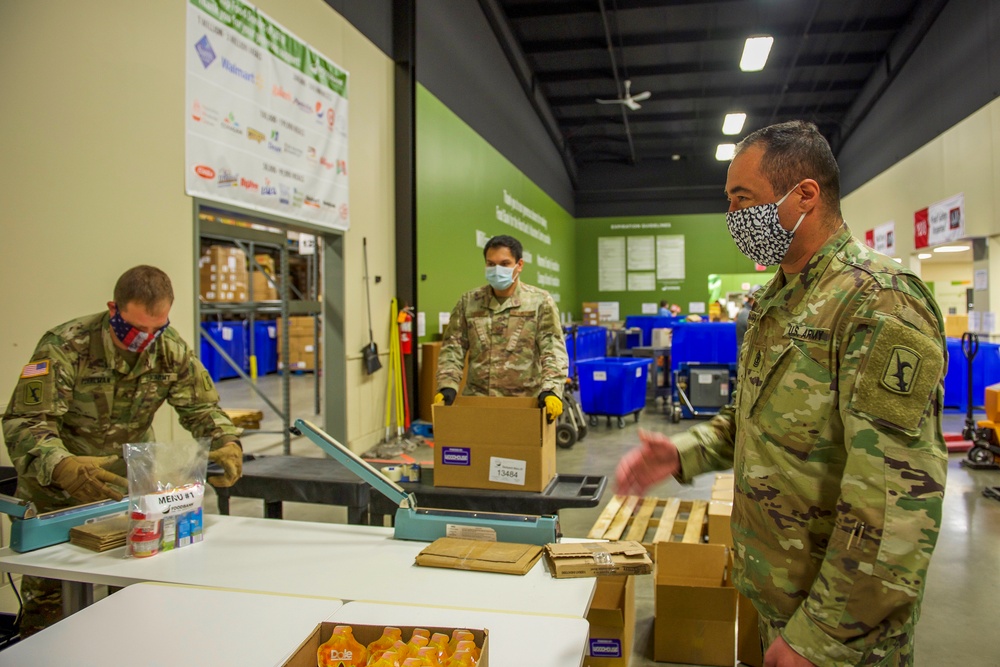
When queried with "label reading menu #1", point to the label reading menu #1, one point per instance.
{"points": [[507, 471]]}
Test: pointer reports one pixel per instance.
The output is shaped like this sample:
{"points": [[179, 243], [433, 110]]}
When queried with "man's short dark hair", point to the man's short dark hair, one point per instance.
{"points": [[793, 151], [504, 241], [145, 285]]}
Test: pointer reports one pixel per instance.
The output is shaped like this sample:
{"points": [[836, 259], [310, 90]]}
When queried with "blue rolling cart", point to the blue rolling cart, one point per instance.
{"points": [[613, 387]]}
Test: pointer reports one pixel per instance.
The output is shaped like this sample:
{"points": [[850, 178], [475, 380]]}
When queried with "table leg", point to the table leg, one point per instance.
{"points": [[272, 509], [357, 516], [75, 596], [223, 500]]}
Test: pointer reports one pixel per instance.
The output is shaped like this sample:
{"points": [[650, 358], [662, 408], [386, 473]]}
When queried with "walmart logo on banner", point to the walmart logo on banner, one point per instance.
{"points": [[205, 52]]}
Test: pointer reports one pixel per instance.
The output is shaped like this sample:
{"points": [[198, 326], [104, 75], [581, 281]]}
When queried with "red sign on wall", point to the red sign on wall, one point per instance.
{"points": [[921, 229]]}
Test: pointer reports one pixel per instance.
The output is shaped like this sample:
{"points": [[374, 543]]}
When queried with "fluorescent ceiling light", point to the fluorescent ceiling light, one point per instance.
{"points": [[725, 152], [755, 53], [924, 255], [952, 248], [733, 124]]}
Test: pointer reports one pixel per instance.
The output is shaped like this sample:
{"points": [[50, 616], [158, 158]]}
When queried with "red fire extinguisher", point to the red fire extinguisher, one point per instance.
{"points": [[405, 321]]}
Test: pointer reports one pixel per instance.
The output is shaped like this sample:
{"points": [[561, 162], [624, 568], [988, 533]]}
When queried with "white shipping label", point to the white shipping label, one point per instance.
{"points": [[272, 332], [724, 389], [470, 533], [704, 378], [638, 372], [175, 501], [309, 348], [227, 333], [232, 263], [600, 376], [507, 471]]}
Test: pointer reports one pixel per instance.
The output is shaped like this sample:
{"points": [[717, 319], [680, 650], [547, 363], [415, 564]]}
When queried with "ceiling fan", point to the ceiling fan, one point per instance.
{"points": [[630, 100]]}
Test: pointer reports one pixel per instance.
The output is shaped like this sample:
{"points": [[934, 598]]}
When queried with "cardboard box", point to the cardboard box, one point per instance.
{"points": [[748, 645], [589, 559], [262, 288], [662, 337], [612, 623], [695, 605], [490, 442], [720, 514], [722, 487], [955, 325], [591, 314], [305, 654], [429, 353], [462, 554]]}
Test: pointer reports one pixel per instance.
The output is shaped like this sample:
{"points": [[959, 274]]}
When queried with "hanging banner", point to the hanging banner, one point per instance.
{"points": [[266, 117], [940, 223], [882, 239]]}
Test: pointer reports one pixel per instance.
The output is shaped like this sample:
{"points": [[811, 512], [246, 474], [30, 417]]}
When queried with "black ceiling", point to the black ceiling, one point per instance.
{"points": [[830, 62]]}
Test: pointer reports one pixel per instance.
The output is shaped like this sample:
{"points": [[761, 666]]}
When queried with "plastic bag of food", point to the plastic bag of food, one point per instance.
{"points": [[166, 489]]}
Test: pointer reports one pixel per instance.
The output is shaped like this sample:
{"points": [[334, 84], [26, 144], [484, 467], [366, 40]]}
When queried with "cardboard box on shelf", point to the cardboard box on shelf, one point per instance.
{"points": [[263, 290], [955, 325], [305, 654], [591, 315], [612, 623], [695, 604], [489, 442], [590, 559], [222, 273]]}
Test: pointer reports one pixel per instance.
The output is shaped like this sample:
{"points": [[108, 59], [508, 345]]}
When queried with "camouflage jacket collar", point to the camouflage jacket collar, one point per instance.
{"points": [[792, 293], [103, 346], [491, 302]]}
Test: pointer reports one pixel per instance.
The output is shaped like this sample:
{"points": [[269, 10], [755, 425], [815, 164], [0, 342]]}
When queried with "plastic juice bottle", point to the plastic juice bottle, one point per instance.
{"points": [[458, 635], [385, 659], [429, 656], [412, 662], [461, 659], [416, 643], [423, 632], [401, 649], [470, 646], [389, 637], [341, 650], [440, 642]]}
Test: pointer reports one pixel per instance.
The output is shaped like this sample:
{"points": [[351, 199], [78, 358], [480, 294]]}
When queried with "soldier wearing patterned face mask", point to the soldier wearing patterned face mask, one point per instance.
{"points": [[512, 335], [92, 385], [834, 434]]}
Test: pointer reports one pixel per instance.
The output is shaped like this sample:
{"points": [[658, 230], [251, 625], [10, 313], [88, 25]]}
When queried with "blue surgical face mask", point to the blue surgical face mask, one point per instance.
{"points": [[500, 277], [134, 340]]}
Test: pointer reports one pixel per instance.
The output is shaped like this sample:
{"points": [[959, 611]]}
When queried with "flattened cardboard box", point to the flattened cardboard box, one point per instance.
{"points": [[612, 623], [589, 559], [461, 554], [493, 442], [305, 654]]}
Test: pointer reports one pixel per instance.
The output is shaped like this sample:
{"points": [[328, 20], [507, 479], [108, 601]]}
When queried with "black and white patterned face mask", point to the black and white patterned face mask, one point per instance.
{"points": [[758, 233]]}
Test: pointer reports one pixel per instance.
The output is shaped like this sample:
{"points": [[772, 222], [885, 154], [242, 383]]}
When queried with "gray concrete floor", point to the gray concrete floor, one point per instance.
{"points": [[961, 605]]}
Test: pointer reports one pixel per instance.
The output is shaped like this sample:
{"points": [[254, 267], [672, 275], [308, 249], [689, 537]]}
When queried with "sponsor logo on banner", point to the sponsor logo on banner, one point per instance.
{"points": [[278, 91], [331, 116], [250, 185], [329, 204], [311, 202], [203, 114], [284, 195], [326, 163], [229, 123], [239, 72], [268, 189], [228, 179], [204, 50], [311, 154], [342, 167], [297, 197], [255, 135], [319, 111], [273, 143], [343, 211], [204, 171], [292, 150], [302, 106]]}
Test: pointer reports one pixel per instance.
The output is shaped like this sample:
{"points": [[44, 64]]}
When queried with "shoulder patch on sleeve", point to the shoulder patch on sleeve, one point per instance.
{"points": [[904, 367], [36, 368]]}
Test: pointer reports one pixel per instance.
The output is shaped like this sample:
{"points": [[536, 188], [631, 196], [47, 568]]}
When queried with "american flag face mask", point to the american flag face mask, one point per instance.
{"points": [[134, 340]]}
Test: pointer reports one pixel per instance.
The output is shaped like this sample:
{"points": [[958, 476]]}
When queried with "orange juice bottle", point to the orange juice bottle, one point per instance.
{"points": [[422, 632], [458, 635], [440, 642], [412, 662], [385, 659], [341, 650], [385, 642], [401, 649], [461, 658], [470, 646], [416, 643], [429, 656]]}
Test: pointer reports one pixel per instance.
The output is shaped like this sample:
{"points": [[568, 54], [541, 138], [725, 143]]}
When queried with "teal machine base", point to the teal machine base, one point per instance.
{"points": [[427, 525], [30, 530]]}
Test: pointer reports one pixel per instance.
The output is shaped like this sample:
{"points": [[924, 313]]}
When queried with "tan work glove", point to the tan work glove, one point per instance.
{"points": [[85, 478], [230, 457], [553, 406]]}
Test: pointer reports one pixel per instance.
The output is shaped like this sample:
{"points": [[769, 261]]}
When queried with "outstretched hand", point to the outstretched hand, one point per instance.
{"points": [[655, 459]]}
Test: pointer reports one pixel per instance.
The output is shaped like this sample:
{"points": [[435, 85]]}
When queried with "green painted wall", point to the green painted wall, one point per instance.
{"points": [[708, 249], [461, 186]]}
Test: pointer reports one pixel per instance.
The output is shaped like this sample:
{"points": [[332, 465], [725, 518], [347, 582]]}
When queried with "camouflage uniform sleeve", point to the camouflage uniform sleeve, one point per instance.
{"points": [[551, 347], [889, 511], [196, 401], [33, 418], [454, 346], [707, 446]]}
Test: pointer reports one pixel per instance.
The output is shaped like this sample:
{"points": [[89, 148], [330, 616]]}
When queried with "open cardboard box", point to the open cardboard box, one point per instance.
{"points": [[589, 559], [493, 442], [612, 623], [695, 612], [305, 654]]}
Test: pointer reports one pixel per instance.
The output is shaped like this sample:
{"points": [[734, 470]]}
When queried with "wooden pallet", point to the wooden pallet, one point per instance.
{"points": [[651, 520]]}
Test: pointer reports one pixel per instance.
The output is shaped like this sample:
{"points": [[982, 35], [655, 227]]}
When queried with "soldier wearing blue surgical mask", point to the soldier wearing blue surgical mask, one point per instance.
{"points": [[511, 334]]}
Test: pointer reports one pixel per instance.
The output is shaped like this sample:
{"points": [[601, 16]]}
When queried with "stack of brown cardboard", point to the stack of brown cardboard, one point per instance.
{"points": [[302, 352], [264, 289], [223, 274]]}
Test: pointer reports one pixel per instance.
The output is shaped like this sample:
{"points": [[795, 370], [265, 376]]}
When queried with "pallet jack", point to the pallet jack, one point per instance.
{"points": [[572, 424], [985, 433]]}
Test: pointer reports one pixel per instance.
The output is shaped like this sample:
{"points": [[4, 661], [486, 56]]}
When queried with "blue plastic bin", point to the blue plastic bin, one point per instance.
{"points": [[232, 337], [613, 386], [985, 371], [591, 343], [703, 342], [265, 346]]}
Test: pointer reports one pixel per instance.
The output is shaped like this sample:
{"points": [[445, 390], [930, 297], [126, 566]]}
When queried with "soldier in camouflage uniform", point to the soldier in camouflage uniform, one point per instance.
{"points": [[512, 335], [835, 430], [92, 385]]}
